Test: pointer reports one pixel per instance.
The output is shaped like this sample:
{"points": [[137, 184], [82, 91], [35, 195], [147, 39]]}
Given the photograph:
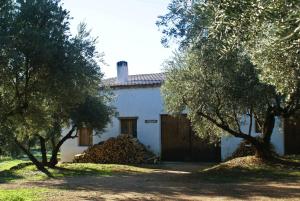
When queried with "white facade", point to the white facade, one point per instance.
{"points": [[229, 143], [143, 103], [139, 97], [147, 104], [70, 148]]}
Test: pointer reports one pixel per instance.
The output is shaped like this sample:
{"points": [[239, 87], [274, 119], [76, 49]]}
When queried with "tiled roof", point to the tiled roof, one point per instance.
{"points": [[142, 80]]}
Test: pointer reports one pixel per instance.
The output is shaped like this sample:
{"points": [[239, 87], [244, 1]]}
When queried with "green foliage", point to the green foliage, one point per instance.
{"points": [[269, 32], [238, 60], [30, 194], [215, 91], [94, 113], [43, 65], [177, 23], [225, 172], [30, 172], [7, 146], [6, 163], [46, 73]]}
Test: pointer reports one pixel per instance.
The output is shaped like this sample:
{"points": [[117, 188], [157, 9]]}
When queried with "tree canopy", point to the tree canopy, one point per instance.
{"points": [[238, 61], [46, 73]]}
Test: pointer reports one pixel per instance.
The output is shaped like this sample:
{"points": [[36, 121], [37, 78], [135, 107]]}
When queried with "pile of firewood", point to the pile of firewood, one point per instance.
{"points": [[120, 150], [244, 149]]}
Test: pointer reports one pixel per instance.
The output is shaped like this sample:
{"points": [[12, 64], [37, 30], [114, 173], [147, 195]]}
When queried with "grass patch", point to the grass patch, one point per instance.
{"points": [[64, 170], [7, 164], [237, 170], [81, 169], [6, 174], [30, 194], [30, 173], [293, 158]]}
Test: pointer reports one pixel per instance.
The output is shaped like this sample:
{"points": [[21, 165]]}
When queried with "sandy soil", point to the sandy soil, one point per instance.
{"points": [[171, 182]]}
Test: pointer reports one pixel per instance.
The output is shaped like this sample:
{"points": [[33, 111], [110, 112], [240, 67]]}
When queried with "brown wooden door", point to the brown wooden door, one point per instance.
{"points": [[203, 150], [292, 136], [174, 140], [85, 136], [179, 142]]}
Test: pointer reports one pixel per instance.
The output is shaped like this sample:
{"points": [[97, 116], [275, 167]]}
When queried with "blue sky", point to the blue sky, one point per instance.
{"points": [[126, 31]]}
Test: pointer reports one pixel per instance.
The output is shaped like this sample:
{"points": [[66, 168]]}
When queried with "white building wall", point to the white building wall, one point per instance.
{"points": [[143, 103], [147, 104], [229, 143], [70, 148]]}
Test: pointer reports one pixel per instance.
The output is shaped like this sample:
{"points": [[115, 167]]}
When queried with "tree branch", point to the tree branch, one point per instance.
{"points": [[33, 159], [229, 130], [53, 160], [250, 125]]}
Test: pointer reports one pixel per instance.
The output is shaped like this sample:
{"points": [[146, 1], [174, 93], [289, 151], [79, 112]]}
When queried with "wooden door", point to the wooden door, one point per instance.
{"points": [[85, 136], [180, 143], [174, 141], [203, 150], [292, 136]]}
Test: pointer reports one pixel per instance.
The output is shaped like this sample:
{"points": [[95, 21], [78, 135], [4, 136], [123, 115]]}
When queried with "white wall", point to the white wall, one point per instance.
{"points": [[144, 103], [229, 143], [147, 104], [70, 148]]}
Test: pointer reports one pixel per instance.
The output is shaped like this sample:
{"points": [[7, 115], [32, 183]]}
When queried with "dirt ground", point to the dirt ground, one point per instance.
{"points": [[169, 182]]}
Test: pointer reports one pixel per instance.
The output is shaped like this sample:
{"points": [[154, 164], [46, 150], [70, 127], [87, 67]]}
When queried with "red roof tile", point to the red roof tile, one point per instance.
{"points": [[141, 80]]}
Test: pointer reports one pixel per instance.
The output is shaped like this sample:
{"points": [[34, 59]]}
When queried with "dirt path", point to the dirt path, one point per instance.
{"points": [[176, 183]]}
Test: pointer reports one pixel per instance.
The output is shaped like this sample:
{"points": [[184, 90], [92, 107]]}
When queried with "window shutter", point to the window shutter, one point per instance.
{"points": [[85, 136], [129, 126]]}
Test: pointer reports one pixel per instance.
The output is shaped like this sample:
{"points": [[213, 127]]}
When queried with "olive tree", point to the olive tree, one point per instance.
{"points": [[237, 60], [46, 74]]}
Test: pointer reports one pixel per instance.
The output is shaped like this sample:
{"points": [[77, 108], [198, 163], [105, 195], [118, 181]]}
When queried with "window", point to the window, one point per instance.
{"points": [[85, 137], [129, 126]]}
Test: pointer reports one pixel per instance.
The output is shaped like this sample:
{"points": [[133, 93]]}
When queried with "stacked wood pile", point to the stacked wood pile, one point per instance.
{"points": [[120, 150], [244, 149]]}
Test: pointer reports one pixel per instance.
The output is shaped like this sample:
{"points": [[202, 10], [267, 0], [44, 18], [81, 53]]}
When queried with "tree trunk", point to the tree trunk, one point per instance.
{"points": [[263, 147], [263, 150], [262, 144], [53, 161], [268, 126], [37, 163], [43, 150], [53, 143]]}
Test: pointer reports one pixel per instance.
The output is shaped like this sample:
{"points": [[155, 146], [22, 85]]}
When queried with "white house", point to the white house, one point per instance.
{"points": [[141, 113]]}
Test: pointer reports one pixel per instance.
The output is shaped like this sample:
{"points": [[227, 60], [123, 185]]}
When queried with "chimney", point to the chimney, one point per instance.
{"points": [[122, 71]]}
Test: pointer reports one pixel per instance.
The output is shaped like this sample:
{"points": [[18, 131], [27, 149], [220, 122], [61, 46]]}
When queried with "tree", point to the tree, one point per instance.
{"points": [[45, 71], [217, 74], [94, 113], [269, 32]]}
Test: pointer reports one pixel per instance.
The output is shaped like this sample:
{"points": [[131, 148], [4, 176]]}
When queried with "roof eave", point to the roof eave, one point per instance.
{"points": [[135, 86]]}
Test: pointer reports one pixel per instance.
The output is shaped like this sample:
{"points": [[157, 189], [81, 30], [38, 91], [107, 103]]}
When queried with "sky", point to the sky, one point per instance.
{"points": [[126, 30]]}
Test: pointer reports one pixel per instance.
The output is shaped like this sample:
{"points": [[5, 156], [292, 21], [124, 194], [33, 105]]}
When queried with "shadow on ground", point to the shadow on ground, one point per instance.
{"points": [[165, 183], [8, 175]]}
